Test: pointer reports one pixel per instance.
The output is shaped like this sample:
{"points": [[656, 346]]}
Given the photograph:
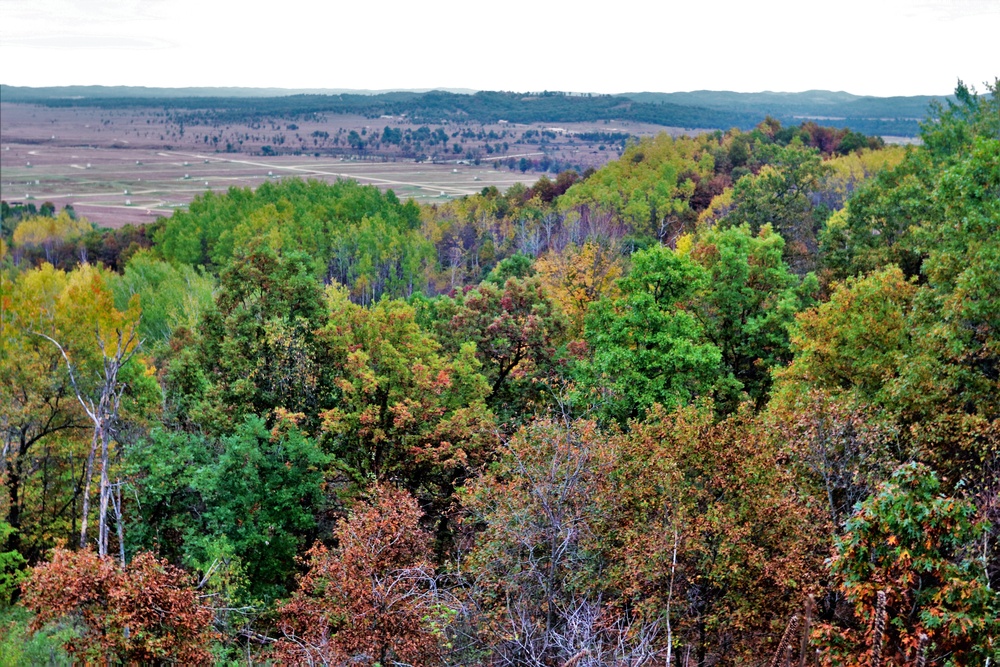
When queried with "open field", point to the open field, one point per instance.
{"points": [[123, 166], [114, 187]]}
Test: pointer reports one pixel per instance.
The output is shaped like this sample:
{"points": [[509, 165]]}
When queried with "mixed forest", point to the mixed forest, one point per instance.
{"points": [[731, 399]]}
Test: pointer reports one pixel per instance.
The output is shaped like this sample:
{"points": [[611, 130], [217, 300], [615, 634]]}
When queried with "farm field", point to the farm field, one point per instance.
{"points": [[122, 166]]}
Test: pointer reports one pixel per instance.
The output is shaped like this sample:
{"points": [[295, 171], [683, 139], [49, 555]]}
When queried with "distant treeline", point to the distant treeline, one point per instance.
{"points": [[810, 103], [882, 116]]}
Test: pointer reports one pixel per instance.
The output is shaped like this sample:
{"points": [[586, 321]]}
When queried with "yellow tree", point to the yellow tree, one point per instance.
{"points": [[50, 233], [580, 275], [36, 404]]}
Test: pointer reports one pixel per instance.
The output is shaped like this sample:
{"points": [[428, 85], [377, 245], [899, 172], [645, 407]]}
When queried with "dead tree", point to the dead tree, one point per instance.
{"points": [[102, 406]]}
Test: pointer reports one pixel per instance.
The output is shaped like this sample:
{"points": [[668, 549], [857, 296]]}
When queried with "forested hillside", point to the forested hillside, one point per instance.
{"points": [[732, 399], [700, 109]]}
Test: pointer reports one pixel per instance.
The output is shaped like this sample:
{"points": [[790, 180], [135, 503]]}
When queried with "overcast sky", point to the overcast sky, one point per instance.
{"points": [[869, 47]]}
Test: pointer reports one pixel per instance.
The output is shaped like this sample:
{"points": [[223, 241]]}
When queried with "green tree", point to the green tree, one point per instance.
{"points": [[876, 228], [745, 303], [256, 490], [960, 314], [779, 195], [351, 233], [404, 410], [649, 189], [646, 349], [171, 295], [889, 216], [257, 350], [11, 567], [858, 340]]}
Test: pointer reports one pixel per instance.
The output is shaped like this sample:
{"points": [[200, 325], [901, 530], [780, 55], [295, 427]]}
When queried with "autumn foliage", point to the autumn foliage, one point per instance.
{"points": [[729, 400], [143, 613], [372, 600]]}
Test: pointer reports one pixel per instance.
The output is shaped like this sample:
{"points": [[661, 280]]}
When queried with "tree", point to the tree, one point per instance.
{"points": [[117, 338], [71, 363], [950, 130], [717, 498], [11, 567], [678, 532], [536, 580], [745, 302], [843, 447], [517, 332], [875, 228], [372, 600], [581, 275], [961, 313], [36, 398], [146, 612], [346, 232], [646, 349], [649, 189], [858, 339], [911, 543], [50, 233], [779, 195], [405, 411], [171, 295], [257, 349], [255, 494], [890, 217]]}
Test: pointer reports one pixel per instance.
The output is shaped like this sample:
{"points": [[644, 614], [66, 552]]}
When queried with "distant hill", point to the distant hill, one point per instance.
{"points": [[29, 94], [698, 109], [811, 103]]}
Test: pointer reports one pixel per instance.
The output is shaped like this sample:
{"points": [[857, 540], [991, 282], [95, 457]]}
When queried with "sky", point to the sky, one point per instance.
{"points": [[866, 47]]}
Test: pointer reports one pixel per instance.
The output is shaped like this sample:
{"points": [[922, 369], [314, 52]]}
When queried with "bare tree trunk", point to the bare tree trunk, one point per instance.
{"points": [[116, 500], [670, 595], [879, 630], [922, 652], [806, 627], [102, 514], [89, 475], [786, 640]]}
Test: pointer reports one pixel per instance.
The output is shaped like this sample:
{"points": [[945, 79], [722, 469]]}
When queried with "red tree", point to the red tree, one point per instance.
{"points": [[145, 613], [371, 600]]}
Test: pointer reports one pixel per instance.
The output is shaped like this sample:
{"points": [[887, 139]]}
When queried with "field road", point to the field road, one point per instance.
{"points": [[320, 172], [504, 157]]}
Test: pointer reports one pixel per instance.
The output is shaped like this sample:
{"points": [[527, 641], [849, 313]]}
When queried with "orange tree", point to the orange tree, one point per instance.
{"points": [[372, 600], [705, 529], [146, 612], [680, 534]]}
